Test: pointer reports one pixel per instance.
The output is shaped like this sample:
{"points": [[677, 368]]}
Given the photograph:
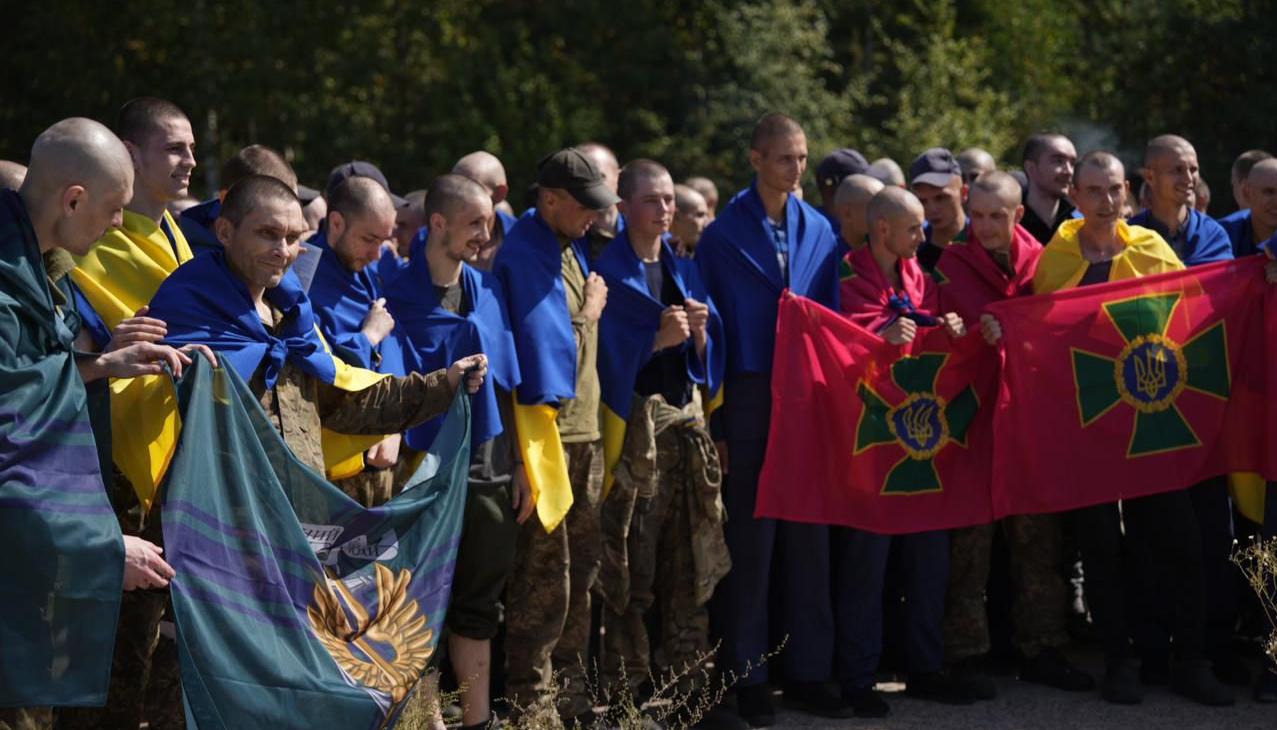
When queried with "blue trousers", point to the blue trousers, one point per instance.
{"points": [[801, 555], [860, 560]]}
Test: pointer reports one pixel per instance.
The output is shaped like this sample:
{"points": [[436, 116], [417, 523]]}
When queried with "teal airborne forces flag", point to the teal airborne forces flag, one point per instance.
{"points": [[295, 606]]}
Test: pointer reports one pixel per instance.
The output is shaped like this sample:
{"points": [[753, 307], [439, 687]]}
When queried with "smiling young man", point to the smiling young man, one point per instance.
{"points": [[1049, 160], [1248, 229], [554, 302], [765, 241], [659, 339], [1170, 169], [445, 308], [1097, 248]]}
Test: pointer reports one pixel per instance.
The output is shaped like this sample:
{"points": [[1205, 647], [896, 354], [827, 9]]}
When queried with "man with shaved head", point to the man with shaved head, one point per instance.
{"points": [[1096, 248], [1238, 174], [444, 309], [997, 261], [691, 215], [1170, 169], [1249, 228], [255, 159], [851, 208], [349, 303], [708, 190], [59, 622], [887, 171], [1048, 163], [832, 170], [887, 292], [974, 163], [766, 241], [555, 301], [11, 174], [609, 223]]}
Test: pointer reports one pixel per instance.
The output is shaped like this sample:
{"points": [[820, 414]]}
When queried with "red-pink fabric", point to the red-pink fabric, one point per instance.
{"points": [[970, 279], [864, 294]]}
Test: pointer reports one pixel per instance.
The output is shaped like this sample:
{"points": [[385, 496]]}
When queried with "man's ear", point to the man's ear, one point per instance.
{"points": [[224, 229], [1019, 214], [72, 197], [336, 225], [755, 160], [500, 193], [135, 154]]}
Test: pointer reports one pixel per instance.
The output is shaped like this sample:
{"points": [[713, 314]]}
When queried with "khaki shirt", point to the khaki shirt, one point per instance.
{"points": [[578, 418]]}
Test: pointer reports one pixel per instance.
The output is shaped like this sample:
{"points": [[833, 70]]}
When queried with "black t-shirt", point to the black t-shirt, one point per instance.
{"points": [[1096, 273], [1040, 229], [666, 372], [453, 299]]}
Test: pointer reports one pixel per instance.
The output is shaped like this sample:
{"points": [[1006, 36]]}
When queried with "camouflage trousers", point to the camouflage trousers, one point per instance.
{"points": [[1039, 609], [26, 718], [662, 572], [548, 596]]}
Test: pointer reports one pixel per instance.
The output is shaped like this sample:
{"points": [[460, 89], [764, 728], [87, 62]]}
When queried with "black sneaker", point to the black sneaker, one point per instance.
{"points": [[937, 687], [1121, 684], [1051, 668], [1194, 679], [816, 698], [754, 705], [867, 702], [972, 678], [1155, 668], [719, 718]]}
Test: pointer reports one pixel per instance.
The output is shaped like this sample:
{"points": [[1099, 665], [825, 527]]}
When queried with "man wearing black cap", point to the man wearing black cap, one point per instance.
{"points": [[936, 179], [314, 209], [832, 170], [359, 168], [554, 303]]}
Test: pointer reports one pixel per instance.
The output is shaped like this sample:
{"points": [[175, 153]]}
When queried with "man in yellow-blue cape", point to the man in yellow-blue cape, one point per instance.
{"points": [[554, 304], [659, 340]]}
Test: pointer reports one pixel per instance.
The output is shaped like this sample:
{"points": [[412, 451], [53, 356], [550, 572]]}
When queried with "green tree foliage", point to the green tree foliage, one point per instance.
{"points": [[412, 86]]}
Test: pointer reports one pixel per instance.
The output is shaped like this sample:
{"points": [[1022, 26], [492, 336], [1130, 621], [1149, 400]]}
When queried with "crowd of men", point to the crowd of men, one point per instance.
{"points": [[628, 322]]}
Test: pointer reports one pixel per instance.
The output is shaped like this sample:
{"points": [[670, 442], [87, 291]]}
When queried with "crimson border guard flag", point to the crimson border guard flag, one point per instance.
{"points": [[866, 434], [1130, 388]]}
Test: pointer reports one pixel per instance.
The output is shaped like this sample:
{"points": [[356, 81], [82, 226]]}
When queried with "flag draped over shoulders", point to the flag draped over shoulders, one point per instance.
{"points": [[62, 576], [196, 223], [627, 333], [294, 605], [529, 267], [116, 279], [869, 299], [737, 261], [341, 299], [1062, 265], [969, 278], [203, 302], [433, 337]]}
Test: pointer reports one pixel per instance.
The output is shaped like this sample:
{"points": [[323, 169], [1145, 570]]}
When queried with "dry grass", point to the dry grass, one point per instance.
{"points": [[680, 699], [1258, 563]]}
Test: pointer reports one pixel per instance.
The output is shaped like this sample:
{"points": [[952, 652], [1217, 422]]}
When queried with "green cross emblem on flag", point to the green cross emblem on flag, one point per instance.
{"points": [[920, 425], [1150, 373]]}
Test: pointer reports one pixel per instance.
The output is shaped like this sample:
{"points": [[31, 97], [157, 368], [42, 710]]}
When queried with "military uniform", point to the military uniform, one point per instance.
{"points": [[663, 542], [548, 629], [1039, 612]]}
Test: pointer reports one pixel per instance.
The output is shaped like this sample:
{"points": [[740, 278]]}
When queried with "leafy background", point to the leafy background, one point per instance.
{"points": [[412, 86]]}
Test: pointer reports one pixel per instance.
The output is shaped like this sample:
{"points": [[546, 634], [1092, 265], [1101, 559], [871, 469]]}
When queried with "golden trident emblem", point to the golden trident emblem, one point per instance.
{"points": [[919, 422], [395, 647], [1150, 371]]}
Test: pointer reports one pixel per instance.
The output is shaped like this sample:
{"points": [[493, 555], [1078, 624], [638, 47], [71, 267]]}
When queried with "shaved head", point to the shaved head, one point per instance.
{"points": [[771, 126], [359, 196], [78, 182], [975, 162], [888, 171], [636, 172], [1098, 159], [12, 174], [891, 203], [1165, 144], [856, 190], [257, 159], [603, 158], [139, 117], [448, 194], [687, 198], [485, 169], [1001, 185]]}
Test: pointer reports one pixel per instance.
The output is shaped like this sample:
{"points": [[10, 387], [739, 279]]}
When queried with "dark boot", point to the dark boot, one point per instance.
{"points": [[1051, 668], [1121, 684], [1194, 679]]}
